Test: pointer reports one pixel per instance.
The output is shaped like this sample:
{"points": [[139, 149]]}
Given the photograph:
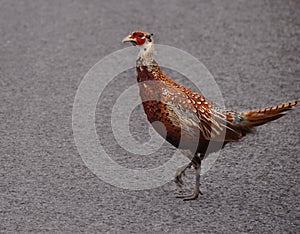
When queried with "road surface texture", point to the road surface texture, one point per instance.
{"points": [[250, 47]]}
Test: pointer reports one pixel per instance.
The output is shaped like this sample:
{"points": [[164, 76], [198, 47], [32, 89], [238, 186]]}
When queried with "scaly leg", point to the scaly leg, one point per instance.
{"points": [[197, 165]]}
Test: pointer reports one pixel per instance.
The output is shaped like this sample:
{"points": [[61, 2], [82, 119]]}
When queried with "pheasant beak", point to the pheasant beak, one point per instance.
{"points": [[129, 39]]}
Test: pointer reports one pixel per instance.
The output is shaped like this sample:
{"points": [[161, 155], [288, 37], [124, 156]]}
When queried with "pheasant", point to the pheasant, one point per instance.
{"points": [[185, 118]]}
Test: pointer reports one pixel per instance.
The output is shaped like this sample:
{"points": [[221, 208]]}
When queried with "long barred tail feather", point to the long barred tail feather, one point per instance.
{"points": [[259, 117]]}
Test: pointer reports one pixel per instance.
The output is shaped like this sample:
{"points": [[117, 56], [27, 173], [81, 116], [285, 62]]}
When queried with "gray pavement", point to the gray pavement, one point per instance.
{"points": [[251, 48]]}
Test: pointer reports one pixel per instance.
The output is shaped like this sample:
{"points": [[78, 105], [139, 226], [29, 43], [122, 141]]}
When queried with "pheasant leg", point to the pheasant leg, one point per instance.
{"points": [[197, 184], [196, 190]]}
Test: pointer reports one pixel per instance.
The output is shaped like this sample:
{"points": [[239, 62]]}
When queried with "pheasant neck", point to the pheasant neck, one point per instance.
{"points": [[146, 54]]}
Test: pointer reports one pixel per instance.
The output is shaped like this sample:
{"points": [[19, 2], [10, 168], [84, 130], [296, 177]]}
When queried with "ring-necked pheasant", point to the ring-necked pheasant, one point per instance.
{"points": [[190, 122]]}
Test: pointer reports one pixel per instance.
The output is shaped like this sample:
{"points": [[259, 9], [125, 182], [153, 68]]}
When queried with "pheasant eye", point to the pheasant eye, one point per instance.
{"points": [[141, 35]]}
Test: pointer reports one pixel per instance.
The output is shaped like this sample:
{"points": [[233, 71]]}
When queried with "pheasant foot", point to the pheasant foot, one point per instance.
{"points": [[197, 187]]}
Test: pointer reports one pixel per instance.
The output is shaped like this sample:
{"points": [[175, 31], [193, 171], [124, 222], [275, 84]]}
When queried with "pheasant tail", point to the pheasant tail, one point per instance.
{"points": [[260, 117]]}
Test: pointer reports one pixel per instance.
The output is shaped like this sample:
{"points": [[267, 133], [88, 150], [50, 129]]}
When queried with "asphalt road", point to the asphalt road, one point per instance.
{"points": [[251, 48]]}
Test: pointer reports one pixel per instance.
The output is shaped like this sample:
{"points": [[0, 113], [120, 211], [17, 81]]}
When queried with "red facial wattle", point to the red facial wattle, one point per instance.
{"points": [[140, 41], [139, 37]]}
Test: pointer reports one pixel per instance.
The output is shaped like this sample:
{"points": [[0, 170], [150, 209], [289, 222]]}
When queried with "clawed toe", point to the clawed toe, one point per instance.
{"points": [[193, 196], [188, 197]]}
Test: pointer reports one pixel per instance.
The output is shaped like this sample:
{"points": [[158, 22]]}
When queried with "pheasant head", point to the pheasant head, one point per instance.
{"points": [[139, 38], [145, 42]]}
